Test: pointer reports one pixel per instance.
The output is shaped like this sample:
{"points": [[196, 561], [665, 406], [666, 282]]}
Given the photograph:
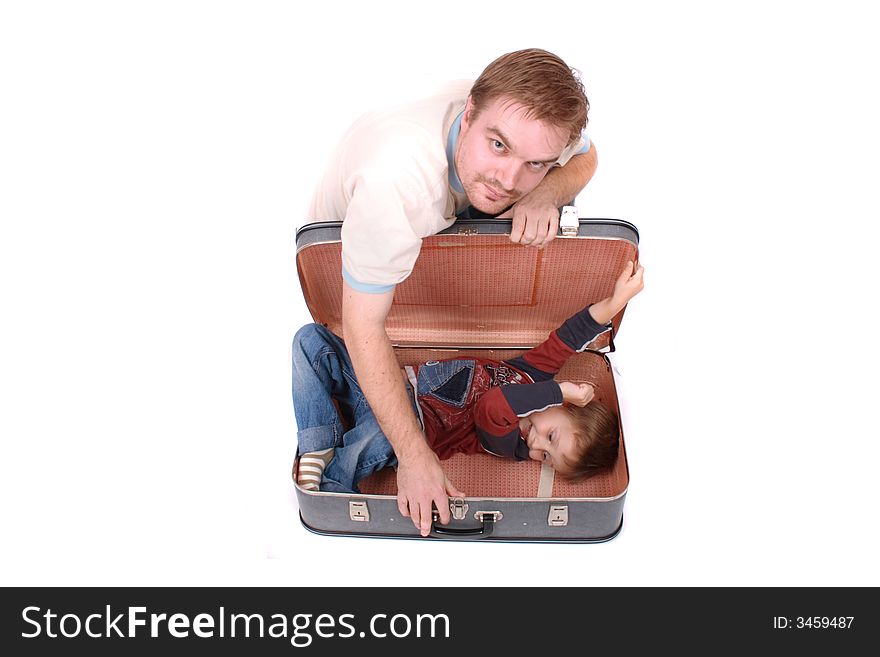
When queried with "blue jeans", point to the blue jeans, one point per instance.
{"points": [[322, 372]]}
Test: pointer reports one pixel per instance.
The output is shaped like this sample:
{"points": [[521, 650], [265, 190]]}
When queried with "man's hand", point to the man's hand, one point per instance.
{"points": [[535, 221], [536, 214], [421, 483], [579, 394]]}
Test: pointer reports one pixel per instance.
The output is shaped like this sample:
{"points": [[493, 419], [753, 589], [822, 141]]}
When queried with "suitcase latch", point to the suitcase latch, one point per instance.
{"points": [[558, 516], [458, 507], [358, 511], [569, 221]]}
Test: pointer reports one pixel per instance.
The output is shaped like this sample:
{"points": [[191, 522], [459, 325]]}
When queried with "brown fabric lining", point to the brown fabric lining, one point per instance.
{"points": [[454, 295]]}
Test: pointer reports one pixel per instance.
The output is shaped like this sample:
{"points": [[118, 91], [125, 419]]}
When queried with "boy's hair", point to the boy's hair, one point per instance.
{"points": [[596, 435], [545, 85]]}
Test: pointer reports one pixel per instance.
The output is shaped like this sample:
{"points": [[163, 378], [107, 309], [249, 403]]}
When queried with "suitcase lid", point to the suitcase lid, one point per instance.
{"points": [[500, 295]]}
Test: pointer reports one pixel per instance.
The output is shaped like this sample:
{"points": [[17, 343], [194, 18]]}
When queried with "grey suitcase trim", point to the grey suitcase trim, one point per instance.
{"points": [[523, 519], [489, 539], [328, 231]]}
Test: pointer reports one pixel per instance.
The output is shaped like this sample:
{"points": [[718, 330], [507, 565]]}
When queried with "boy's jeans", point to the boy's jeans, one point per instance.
{"points": [[322, 371]]}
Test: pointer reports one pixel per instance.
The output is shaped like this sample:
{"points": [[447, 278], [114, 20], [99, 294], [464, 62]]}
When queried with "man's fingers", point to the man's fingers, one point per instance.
{"points": [[452, 491], [539, 233], [402, 506], [545, 230], [416, 515], [529, 233], [517, 227], [442, 504], [427, 520], [552, 228]]}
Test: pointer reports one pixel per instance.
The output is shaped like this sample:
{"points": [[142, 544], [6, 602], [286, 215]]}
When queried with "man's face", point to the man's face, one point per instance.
{"points": [[550, 437], [503, 155]]}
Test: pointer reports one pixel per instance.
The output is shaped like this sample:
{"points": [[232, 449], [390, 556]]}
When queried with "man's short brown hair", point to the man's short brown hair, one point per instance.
{"points": [[597, 436], [545, 85]]}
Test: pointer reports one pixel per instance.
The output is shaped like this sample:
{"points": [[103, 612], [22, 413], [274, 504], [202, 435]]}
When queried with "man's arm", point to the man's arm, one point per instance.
{"points": [[536, 215], [420, 479]]}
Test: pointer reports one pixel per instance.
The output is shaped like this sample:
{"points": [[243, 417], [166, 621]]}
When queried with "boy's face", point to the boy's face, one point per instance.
{"points": [[550, 437], [502, 154]]}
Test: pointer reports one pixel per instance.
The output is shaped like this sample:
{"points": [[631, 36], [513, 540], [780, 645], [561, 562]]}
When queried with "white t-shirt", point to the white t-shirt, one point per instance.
{"points": [[392, 180]]}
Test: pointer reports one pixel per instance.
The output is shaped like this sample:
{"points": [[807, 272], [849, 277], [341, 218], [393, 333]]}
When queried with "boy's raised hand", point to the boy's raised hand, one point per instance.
{"points": [[579, 394], [628, 284]]}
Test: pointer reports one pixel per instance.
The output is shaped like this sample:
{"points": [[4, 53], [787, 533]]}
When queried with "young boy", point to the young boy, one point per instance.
{"points": [[512, 408]]}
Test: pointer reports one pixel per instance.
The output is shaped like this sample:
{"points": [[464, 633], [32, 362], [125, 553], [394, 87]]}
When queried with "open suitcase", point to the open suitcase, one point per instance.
{"points": [[474, 293]]}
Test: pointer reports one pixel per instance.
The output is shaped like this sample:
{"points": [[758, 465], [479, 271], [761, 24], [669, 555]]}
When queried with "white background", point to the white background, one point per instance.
{"points": [[156, 159]]}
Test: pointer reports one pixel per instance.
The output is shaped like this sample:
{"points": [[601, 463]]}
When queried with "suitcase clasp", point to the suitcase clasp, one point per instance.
{"points": [[458, 507], [569, 221], [558, 516], [357, 511]]}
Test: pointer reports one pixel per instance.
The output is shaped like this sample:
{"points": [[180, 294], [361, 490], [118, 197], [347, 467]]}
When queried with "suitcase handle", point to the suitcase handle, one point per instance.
{"points": [[487, 525]]}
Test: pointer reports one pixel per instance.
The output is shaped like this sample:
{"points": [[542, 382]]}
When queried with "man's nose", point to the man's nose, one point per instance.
{"points": [[507, 174]]}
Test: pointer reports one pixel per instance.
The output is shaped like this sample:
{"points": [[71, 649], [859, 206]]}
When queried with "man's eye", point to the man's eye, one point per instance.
{"points": [[537, 166], [497, 145]]}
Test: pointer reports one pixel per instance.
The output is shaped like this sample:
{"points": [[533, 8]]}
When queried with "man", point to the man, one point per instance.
{"points": [[510, 145]]}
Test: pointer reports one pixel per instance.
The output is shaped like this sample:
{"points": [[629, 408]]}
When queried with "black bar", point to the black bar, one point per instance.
{"points": [[401, 620]]}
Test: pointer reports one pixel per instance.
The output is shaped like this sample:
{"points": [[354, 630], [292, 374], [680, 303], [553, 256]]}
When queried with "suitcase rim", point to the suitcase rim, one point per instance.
{"points": [[489, 539], [592, 228]]}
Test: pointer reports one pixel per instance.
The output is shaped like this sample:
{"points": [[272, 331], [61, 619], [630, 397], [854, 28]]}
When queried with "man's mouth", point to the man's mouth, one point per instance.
{"points": [[493, 194]]}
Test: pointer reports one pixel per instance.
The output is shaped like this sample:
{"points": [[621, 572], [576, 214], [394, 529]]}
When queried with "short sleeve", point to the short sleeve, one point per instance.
{"points": [[582, 145], [379, 245]]}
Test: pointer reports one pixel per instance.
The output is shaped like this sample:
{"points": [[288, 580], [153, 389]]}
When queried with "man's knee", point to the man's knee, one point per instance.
{"points": [[308, 340], [305, 334], [315, 347]]}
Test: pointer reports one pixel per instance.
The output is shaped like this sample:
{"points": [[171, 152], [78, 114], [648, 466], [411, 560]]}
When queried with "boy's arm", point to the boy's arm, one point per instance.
{"points": [[579, 330], [498, 412], [545, 360]]}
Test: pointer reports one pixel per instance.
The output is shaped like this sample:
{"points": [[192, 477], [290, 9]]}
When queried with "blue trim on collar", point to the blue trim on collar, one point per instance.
{"points": [[451, 143], [586, 147]]}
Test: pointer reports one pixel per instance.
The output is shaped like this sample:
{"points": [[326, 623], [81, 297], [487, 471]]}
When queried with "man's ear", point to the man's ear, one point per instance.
{"points": [[468, 110]]}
